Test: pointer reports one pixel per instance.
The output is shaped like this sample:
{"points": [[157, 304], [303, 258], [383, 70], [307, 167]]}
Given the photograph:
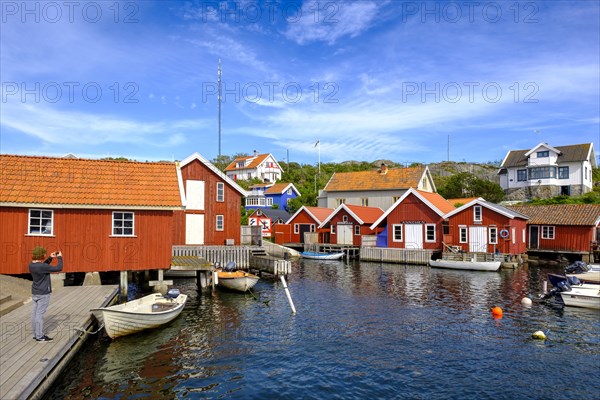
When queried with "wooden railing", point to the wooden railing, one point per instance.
{"points": [[217, 254], [400, 256]]}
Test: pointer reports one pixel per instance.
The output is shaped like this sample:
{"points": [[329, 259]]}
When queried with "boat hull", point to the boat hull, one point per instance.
{"points": [[466, 265], [239, 281], [321, 256], [135, 316], [581, 296]]}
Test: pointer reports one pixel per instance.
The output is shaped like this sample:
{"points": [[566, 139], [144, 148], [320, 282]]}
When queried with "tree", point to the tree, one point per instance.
{"points": [[465, 184]]}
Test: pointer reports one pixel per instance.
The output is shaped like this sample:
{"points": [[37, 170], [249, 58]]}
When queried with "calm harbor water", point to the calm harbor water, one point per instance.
{"points": [[362, 330]]}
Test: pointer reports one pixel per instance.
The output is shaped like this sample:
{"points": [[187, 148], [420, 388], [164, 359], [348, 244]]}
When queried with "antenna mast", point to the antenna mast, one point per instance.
{"points": [[219, 99]]}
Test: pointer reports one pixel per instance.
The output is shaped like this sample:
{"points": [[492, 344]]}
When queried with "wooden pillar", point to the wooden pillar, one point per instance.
{"points": [[123, 283]]}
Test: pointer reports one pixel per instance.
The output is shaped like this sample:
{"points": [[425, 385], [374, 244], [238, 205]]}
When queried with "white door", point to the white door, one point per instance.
{"points": [[344, 234], [194, 229], [478, 239], [413, 236]]}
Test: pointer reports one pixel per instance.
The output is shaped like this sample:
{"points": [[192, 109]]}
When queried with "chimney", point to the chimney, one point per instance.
{"points": [[255, 153], [384, 169]]}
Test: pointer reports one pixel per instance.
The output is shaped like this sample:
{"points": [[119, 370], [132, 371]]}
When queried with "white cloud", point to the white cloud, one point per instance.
{"points": [[329, 21]]}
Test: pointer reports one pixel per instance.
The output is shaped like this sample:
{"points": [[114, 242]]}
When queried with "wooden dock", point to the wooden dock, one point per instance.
{"points": [[399, 256], [28, 368]]}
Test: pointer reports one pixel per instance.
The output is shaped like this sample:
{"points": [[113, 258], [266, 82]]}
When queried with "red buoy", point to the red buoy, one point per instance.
{"points": [[497, 312]]}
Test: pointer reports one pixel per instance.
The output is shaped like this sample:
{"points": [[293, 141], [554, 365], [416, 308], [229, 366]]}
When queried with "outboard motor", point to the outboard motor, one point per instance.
{"points": [[230, 267], [573, 281], [563, 286], [578, 267], [172, 294]]}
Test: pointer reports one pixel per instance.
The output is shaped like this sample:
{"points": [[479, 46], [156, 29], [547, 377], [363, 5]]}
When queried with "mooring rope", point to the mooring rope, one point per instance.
{"points": [[83, 331]]}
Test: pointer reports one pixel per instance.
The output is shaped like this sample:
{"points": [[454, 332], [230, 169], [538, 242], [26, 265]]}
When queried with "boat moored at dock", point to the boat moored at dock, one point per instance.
{"points": [[471, 265]]}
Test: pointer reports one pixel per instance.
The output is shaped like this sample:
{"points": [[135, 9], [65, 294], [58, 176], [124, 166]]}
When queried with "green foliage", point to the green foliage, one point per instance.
{"points": [[466, 184], [592, 197]]}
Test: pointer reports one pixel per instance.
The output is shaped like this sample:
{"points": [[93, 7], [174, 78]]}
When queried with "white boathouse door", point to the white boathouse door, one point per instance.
{"points": [[194, 229], [413, 236], [478, 239], [344, 234]]}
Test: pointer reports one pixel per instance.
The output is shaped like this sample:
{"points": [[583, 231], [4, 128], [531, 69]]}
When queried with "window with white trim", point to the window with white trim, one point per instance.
{"points": [[41, 222], [462, 233], [220, 222], [296, 229], [543, 154], [123, 223], [523, 236], [397, 232], [521, 175], [364, 202], [345, 218], [339, 202], [357, 230], [269, 201], [547, 232], [220, 192], [477, 214], [289, 191], [493, 233], [312, 227], [333, 229], [563, 172], [430, 233]]}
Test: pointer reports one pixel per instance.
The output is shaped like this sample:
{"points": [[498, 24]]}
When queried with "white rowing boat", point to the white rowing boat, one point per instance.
{"points": [[240, 281], [134, 316], [471, 265], [586, 295], [313, 255]]}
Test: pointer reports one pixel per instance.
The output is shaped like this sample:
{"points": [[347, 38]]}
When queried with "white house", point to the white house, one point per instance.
{"points": [[261, 166], [546, 171]]}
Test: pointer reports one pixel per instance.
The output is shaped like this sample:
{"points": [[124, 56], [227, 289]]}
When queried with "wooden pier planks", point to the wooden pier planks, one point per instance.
{"points": [[25, 363]]}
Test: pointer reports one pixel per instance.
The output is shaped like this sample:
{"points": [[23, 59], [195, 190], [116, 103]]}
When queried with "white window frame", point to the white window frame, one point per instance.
{"points": [[332, 229], [477, 210], [41, 226], [312, 227], [269, 201], [220, 222], [345, 218], [220, 192], [356, 230], [364, 201], [462, 234], [289, 191], [548, 232], [113, 227], [400, 237], [296, 229], [429, 227], [493, 234]]}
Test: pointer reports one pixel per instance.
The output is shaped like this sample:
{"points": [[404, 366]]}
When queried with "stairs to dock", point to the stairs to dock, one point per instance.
{"points": [[8, 304], [258, 252]]}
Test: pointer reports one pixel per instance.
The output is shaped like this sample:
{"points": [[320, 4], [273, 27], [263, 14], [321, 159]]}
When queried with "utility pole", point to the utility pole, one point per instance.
{"points": [[219, 99]]}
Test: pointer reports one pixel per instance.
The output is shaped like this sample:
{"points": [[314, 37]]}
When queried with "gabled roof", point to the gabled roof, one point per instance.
{"points": [[544, 145], [507, 212], [273, 213], [561, 214], [397, 178], [434, 201], [280, 187], [214, 169], [86, 183], [316, 213], [252, 162], [363, 215], [571, 153]]}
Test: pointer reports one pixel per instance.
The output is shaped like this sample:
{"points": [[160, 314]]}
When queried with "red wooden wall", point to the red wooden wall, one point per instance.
{"points": [[413, 209], [84, 237], [301, 218], [230, 208], [338, 219], [282, 233], [489, 218], [567, 238]]}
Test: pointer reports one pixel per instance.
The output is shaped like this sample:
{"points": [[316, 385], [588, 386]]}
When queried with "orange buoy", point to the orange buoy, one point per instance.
{"points": [[497, 312]]}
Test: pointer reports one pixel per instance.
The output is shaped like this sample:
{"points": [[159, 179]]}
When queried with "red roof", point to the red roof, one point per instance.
{"points": [[368, 215], [90, 183], [399, 178], [445, 206]]}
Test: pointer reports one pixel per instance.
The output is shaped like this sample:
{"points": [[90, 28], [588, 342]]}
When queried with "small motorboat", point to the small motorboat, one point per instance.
{"points": [[471, 265], [572, 292], [586, 273], [234, 279], [137, 315], [314, 255]]}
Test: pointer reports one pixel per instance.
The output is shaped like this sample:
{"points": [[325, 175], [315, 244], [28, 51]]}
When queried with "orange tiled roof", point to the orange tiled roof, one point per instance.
{"points": [[257, 160], [277, 188], [320, 213], [367, 214], [561, 214], [445, 206], [85, 182], [462, 201], [398, 178]]}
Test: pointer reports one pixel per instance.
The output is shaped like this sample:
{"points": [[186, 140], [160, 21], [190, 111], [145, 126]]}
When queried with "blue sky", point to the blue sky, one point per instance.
{"points": [[369, 79]]}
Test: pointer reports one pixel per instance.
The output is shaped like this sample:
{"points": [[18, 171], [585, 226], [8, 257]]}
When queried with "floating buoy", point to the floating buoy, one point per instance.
{"points": [[526, 301], [497, 312], [539, 335]]}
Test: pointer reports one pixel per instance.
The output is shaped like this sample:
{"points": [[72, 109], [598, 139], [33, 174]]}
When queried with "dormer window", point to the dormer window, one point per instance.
{"points": [[241, 164], [543, 154]]}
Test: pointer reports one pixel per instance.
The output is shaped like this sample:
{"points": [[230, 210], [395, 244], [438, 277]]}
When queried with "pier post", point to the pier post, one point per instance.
{"points": [[123, 283]]}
